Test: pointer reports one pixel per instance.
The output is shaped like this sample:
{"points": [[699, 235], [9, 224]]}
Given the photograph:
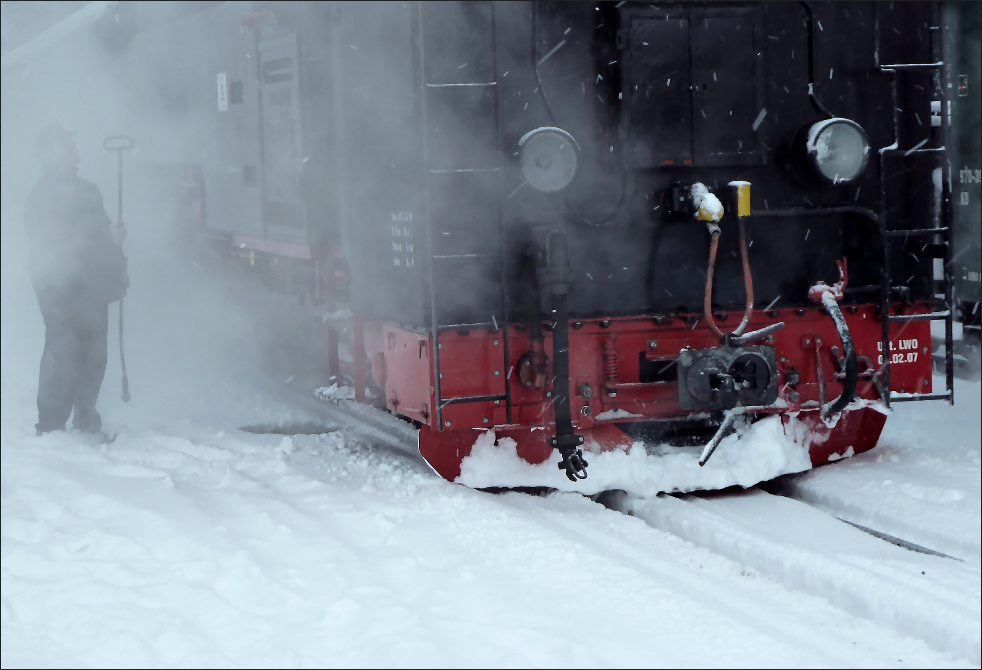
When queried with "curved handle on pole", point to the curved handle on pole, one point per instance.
{"points": [[118, 143]]}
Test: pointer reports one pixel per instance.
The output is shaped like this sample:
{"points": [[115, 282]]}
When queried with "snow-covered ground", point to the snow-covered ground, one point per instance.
{"points": [[189, 542]]}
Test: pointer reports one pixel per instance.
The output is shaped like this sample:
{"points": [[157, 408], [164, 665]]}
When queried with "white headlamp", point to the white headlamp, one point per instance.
{"points": [[549, 157], [837, 149]]}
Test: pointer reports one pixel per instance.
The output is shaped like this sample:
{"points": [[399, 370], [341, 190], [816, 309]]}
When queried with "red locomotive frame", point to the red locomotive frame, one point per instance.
{"points": [[604, 365]]}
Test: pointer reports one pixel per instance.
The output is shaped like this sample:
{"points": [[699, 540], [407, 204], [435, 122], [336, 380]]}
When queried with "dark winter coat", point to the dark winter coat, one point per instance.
{"points": [[73, 255]]}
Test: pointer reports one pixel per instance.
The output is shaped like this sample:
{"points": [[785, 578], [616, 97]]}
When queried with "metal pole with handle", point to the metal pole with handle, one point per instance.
{"points": [[119, 144]]}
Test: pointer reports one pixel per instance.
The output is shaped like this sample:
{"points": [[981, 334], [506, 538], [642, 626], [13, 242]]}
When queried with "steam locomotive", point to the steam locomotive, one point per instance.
{"points": [[560, 232]]}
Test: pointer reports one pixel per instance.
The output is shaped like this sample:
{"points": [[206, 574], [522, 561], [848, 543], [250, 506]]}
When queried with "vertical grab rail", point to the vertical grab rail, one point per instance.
{"points": [[941, 224]]}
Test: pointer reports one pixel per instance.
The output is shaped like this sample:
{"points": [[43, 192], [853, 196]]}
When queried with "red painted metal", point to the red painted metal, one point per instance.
{"points": [[607, 383], [358, 356], [855, 431], [407, 372]]}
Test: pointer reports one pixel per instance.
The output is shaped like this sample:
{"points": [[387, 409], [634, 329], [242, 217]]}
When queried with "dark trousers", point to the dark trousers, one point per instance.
{"points": [[73, 364]]}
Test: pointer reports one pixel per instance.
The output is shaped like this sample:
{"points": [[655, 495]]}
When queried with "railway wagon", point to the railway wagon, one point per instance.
{"points": [[963, 57], [564, 230]]}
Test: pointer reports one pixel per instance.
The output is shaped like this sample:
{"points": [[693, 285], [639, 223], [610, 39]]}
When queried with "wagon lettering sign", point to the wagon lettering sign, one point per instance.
{"points": [[969, 176], [403, 245], [901, 351]]}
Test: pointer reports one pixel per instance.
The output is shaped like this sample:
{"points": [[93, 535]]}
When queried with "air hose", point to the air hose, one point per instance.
{"points": [[829, 296]]}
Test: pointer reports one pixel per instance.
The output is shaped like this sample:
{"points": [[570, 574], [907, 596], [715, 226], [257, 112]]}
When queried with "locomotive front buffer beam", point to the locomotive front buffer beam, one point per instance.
{"points": [[633, 378]]}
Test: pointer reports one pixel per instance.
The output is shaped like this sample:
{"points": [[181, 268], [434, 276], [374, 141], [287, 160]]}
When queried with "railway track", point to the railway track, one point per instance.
{"points": [[919, 592], [360, 422]]}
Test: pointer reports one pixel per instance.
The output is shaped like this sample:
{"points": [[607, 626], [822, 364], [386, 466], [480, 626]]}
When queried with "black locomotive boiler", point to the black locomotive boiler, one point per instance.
{"points": [[565, 230]]}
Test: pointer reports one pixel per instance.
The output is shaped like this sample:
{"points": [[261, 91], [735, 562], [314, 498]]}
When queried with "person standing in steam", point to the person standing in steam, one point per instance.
{"points": [[77, 269]]}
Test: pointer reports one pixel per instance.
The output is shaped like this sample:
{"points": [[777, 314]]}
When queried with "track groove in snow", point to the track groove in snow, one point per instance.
{"points": [[931, 598]]}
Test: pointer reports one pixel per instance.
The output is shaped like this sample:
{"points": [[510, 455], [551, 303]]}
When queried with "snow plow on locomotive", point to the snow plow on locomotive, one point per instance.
{"points": [[580, 241]]}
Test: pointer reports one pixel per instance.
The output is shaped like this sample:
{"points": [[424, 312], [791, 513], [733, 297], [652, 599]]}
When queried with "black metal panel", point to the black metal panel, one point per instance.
{"points": [[380, 153], [421, 223], [464, 214], [387, 277], [658, 109], [727, 86], [467, 290], [461, 162], [457, 42], [693, 86], [460, 129]]}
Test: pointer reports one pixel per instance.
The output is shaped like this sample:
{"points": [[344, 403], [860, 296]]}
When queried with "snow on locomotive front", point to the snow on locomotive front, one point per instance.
{"points": [[659, 246]]}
